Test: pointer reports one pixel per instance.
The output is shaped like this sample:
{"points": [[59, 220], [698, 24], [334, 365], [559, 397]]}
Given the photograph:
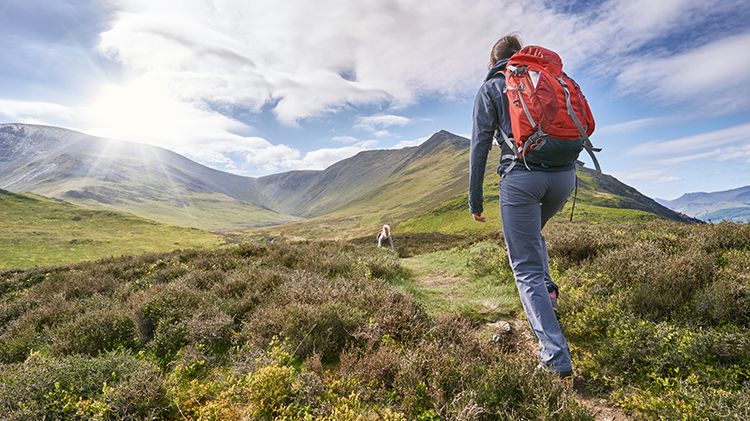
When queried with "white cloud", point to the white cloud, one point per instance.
{"points": [[322, 158], [182, 59], [345, 139], [739, 134], [714, 77], [691, 157], [632, 125], [667, 156], [410, 143], [651, 175], [381, 121], [311, 58], [35, 112]]}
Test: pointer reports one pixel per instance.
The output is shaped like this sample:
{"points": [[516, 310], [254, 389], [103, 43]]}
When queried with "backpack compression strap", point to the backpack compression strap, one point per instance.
{"points": [[509, 141], [586, 141]]}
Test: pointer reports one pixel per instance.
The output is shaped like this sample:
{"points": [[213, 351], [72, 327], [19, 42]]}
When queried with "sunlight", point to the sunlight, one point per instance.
{"points": [[142, 110]]}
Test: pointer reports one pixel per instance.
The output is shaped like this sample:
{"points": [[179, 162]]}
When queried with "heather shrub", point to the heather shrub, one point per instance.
{"points": [[169, 337], [193, 336], [723, 236], [115, 385], [489, 259], [167, 303], [660, 321], [210, 329], [727, 299], [95, 331], [450, 373], [323, 315], [570, 245]]}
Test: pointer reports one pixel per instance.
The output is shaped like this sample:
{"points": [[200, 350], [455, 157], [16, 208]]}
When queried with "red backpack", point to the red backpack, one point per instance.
{"points": [[550, 118]]}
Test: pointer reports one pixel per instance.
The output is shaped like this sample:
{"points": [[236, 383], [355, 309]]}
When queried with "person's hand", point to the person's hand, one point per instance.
{"points": [[478, 217]]}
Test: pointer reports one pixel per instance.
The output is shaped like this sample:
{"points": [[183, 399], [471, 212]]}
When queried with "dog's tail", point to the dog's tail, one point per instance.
{"points": [[387, 230]]}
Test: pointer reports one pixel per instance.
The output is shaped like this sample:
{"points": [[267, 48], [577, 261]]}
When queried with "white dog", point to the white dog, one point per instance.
{"points": [[385, 235]]}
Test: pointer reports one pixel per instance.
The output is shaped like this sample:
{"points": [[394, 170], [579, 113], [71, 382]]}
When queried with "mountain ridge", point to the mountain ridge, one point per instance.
{"points": [[732, 204], [373, 186]]}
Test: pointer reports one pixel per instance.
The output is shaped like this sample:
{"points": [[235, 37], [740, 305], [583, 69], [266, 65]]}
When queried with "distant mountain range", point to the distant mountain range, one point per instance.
{"points": [[731, 205], [154, 183]]}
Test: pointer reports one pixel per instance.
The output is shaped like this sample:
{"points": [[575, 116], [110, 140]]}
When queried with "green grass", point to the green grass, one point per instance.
{"points": [[453, 217], [41, 232], [448, 282], [293, 331], [207, 211]]}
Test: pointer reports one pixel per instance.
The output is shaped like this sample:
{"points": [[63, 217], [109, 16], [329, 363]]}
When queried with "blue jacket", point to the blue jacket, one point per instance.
{"points": [[491, 112]]}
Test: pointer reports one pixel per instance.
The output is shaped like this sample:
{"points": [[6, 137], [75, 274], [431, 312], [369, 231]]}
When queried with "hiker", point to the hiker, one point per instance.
{"points": [[537, 175], [385, 235]]}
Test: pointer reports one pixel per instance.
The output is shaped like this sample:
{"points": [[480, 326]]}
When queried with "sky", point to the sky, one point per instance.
{"points": [[264, 86]]}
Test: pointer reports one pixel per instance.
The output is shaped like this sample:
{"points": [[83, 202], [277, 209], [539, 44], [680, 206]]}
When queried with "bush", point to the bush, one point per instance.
{"points": [[661, 321], [451, 373], [203, 324], [167, 303], [211, 329], [727, 299], [488, 259], [95, 331], [115, 385]]}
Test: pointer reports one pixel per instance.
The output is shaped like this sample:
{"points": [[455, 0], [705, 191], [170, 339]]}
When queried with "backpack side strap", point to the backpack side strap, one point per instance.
{"points": [[586, 141]]}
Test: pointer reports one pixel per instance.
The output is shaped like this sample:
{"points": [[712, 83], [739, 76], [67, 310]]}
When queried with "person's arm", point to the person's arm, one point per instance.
{"points": [[485, 122]]}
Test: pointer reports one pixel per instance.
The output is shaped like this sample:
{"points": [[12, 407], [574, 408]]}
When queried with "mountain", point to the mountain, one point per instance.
{"points": [[147, 181], [40, 231], [410, 186], [409, 178], [732, 205], [355, 194]]}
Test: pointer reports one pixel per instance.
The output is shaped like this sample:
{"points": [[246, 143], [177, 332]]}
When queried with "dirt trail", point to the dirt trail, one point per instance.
{"points": [[523, 340], [600, 408]]}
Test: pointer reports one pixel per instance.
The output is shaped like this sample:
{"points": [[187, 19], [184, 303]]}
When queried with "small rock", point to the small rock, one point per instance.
{"points": [[501, 326]]}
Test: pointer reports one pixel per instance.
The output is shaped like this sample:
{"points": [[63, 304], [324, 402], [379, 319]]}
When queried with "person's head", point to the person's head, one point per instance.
{"points": [[504, 48]]}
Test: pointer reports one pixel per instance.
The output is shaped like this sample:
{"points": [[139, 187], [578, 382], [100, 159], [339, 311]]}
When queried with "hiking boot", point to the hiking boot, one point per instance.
{"points": [[564, 375], [567, 379], [554, 293]]}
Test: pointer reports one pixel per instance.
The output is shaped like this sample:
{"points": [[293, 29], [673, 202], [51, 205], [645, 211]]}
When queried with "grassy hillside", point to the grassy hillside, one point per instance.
{"points": [[656, 314], [371, 188], [144, 180], [277, 331], [207, 211], [40, 232], [429, 194]]}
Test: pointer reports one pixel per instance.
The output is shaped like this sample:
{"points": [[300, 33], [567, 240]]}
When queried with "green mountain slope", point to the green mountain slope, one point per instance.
{"points": [[355, 195], [39, 232], [147, 181], [427, 192], [396, 180]]}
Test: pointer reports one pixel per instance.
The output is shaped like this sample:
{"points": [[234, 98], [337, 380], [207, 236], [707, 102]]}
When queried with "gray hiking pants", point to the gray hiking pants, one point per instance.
{"points": [[528, 199]]}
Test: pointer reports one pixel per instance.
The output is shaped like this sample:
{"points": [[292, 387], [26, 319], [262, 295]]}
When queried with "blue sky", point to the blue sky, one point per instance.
{"points": [[265, 86]]}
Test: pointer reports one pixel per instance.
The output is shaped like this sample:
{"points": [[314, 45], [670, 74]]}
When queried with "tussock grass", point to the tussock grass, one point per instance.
{"points": [[41, 232], [257, 331], [657, 315]]}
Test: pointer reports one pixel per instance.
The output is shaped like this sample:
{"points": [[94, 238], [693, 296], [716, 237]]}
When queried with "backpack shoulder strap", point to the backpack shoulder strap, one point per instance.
{"points": [[586, 141]]}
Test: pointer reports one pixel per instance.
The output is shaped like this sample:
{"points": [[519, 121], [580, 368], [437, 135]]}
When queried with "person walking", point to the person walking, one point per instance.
{"points": [[536, 180]]}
